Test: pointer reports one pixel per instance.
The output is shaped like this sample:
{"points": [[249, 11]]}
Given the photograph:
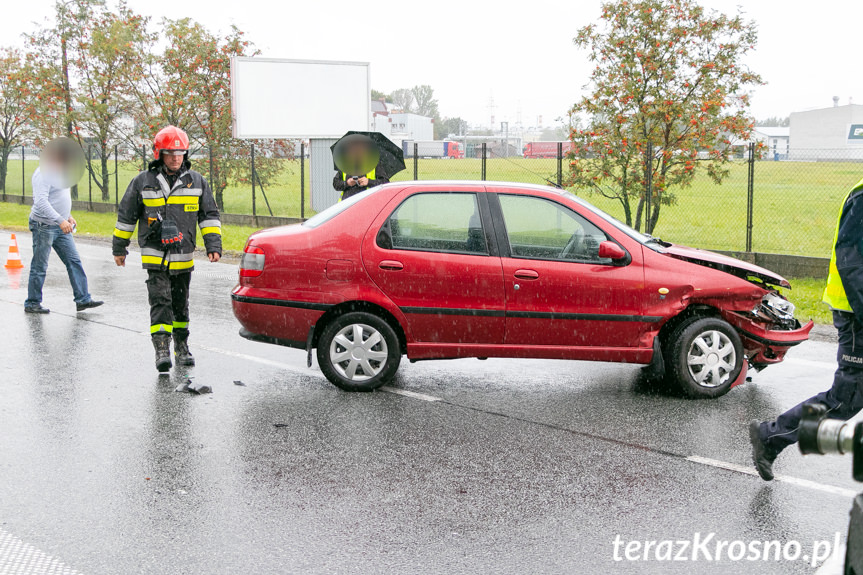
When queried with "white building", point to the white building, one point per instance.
{"points": [[398, 126], [775, 139], [830, 134]]}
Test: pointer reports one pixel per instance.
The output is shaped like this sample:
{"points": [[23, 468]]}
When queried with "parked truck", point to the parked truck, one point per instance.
{"points": [[432, 149], [545, 149]]}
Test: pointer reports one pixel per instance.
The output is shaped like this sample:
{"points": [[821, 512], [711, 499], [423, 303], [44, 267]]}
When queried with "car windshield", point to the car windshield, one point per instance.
{"points": [[645, 239], [337, 208]]}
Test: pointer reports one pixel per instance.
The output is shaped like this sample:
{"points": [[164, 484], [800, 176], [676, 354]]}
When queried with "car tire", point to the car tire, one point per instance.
{"points": [[358, 351], [704, 356]]}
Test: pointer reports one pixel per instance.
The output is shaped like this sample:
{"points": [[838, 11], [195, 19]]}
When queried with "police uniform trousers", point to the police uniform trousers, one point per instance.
{"points": [[843, 400]]}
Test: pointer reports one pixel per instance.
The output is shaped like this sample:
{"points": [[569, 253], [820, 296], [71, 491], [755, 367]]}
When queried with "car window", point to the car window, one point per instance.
{"points": [[336, 209], [541, 229], [436, 221]]}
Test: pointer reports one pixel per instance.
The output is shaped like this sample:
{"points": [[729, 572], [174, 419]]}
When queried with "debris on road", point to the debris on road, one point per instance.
{"points": [[238, 382], [190, 386], [199, 388]]}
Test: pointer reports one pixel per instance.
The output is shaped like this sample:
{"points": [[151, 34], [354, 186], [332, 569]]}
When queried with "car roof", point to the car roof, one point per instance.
{"points": [[480, 183]]}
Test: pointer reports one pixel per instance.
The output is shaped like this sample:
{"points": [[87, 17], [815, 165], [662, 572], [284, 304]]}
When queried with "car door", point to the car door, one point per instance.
{"points": [[432, 255], [559, 292]]}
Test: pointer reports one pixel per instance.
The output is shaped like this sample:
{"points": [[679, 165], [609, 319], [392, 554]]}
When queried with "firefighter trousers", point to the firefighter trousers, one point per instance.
{"points": [[169, 302]]}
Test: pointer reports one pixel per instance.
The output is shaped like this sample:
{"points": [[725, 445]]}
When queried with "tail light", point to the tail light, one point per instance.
{"points": [[252, 262]]}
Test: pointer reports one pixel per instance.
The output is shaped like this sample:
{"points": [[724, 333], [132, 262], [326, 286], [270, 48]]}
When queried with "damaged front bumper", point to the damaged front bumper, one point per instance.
{"points": [[763, 344]]}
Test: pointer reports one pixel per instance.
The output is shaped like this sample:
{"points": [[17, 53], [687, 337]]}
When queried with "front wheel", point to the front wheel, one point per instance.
{"points": [[704, 357], [358, 351]]}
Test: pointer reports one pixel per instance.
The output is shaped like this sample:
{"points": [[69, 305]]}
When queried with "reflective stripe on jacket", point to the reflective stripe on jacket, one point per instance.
{"points": [[371, 176], [834, 293], [189, 203]]}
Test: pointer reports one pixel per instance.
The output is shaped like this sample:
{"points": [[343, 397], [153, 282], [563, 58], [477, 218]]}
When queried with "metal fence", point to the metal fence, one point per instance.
{"points": [[773, 204]]}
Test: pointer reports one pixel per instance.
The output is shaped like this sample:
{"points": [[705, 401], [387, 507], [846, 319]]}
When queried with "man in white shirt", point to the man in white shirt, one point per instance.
{"points": [[52, 225]]}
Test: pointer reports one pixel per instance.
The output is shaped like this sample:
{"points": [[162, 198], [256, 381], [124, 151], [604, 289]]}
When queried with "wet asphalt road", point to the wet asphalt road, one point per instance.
{"points": [[501, 466]]}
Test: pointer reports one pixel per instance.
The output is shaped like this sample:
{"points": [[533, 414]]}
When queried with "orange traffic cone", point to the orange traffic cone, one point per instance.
{"points": [[14, 277], [13, 262]]}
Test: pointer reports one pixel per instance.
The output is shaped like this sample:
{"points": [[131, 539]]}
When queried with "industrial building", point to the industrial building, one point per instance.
{"points": [[827, 134], [776, 141], [399, 126]]}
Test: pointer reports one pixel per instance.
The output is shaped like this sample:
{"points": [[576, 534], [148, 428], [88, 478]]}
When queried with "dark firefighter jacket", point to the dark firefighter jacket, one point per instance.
{"points": [[189, 203]]}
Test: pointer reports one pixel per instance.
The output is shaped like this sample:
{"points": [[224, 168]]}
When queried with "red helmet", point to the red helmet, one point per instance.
{"points": [[168, 139]]}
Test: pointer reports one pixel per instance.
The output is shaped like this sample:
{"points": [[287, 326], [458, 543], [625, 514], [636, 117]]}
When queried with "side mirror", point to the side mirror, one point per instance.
{"points": [[611, 250]]}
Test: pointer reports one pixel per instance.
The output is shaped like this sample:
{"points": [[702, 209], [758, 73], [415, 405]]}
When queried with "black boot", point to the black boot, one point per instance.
{"points": [[162, 345], [762, 457], [181, 349]]}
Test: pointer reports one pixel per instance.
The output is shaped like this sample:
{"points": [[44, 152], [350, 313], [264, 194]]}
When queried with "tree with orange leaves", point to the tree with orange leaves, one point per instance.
{"points": [[189, 86], [669, 77], [17, 105]]}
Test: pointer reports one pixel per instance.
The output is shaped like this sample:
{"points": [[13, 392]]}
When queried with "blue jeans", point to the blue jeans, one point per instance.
{"points": [[45, 237], [843, 400]]}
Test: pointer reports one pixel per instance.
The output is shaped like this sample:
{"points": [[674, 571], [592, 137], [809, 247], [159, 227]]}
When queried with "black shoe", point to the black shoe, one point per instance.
{"points": [[762, 459], [162, 345], [90, 304], [36, 309]]}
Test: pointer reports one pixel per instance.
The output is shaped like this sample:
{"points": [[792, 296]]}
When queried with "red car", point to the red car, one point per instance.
{"points": [[436, 270]]}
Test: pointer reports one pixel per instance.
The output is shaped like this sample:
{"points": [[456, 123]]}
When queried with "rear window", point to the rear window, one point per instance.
{"points": [[336, 209]]}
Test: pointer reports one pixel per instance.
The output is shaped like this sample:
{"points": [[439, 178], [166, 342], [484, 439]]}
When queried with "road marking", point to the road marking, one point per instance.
{"points": [[831, 365], [406, 393], [832, 489], [301, 370], [309, 372], [19, 558]]}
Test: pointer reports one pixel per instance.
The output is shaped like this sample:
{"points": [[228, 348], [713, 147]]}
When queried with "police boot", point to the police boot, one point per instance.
{"points": [[162, 345], [181, 349]]}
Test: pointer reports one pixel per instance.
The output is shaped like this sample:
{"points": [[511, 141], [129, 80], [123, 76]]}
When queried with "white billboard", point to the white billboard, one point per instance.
{"points": [[274, 98]]}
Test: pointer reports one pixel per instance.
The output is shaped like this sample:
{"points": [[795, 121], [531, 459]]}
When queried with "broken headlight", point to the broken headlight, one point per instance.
{"points": [[777, 310]]}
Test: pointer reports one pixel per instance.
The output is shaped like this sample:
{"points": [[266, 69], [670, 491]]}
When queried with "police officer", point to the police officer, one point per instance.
{"points": [[353, 185], [167, 202], [844, 295], [357, 151]]}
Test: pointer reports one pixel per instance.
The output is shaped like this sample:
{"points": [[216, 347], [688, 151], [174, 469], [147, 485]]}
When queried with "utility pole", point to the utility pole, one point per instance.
{"points": [[66, 93]]}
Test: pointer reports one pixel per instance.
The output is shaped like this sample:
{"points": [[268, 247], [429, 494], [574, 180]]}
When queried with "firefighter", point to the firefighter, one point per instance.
{"points": [[167, 202], [844, 295]]}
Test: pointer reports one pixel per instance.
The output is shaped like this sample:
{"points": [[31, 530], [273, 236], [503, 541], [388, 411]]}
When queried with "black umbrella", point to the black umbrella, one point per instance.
{"points": [[357, 153]]}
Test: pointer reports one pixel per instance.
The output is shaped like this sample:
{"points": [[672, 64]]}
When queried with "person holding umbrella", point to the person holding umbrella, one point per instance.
{"points": [[364, 160]]}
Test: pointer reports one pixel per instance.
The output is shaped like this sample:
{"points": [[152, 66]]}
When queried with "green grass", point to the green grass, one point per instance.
{"points": [[91, 224], [796, 203], [806, 296]]}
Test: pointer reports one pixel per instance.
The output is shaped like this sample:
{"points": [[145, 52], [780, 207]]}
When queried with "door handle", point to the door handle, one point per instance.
{"points": [[391, 265], [527, 274]]}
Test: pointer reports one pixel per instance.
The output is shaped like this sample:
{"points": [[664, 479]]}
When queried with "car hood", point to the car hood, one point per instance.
{"points": [[726, 264]]}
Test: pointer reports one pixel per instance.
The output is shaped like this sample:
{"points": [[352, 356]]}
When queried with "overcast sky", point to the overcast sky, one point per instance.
{"points": [[519, 53]]}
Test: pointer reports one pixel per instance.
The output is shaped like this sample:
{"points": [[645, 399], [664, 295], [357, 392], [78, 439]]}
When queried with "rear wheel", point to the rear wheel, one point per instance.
{"points": [[358, 351], [704, 357]]}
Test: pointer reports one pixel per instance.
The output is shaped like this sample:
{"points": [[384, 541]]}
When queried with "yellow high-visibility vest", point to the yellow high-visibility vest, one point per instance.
{"points": [[834, 293], [371, 176]]}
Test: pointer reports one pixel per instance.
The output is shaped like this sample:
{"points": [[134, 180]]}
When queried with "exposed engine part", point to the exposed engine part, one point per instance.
{"points": [[776, 310]]}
